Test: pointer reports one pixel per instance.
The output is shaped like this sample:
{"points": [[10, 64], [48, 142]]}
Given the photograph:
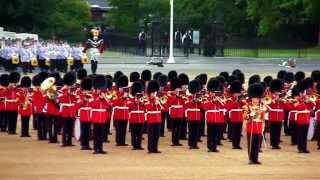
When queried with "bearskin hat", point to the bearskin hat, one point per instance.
{"points": [[99, 82], [86, 84], [122, 81], [184, 79], [308, 82], [240, 77], [295, 91], [36, 80], [108, 83], [302, 86], [81, 74], [202, 78], [281, 74], [163, 80], [175, 83], [299, 76], [57, 77], [69, 78], [136, 88], [289, 77], [235, 87], [146, 75], [225, 75], [194, 86], [276, 85], [254, 79], [43, 76], [108, 76], [25, 82], [153, 86], [134, 76], [268, 80], [4, 80], [232, 78], [318, 88], [236, 71], [117, 75], [156, 76], [172, 74], [255, 90], [143, 84], [214, 85], [315, 75], [221, 79], [14, 77]]}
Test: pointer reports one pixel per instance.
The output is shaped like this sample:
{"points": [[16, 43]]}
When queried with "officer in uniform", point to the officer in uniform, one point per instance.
{"points": [[25, 56], [76, 54], [254, 115]]}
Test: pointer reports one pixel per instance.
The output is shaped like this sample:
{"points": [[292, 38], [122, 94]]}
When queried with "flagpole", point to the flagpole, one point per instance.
{"points": [[171, 57]]}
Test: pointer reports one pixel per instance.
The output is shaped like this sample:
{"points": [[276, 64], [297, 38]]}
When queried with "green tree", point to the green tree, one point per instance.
{"points": [[49, 18]]}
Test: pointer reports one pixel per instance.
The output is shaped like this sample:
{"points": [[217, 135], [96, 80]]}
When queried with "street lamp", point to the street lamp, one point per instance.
{"points": [[171, 58]]}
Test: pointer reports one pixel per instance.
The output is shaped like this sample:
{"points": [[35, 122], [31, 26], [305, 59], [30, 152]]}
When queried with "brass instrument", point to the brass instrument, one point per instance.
{"points": [[313, 98], [47, 62], [163, 99], [144, 99], [70, 61], [26, 102], [267, 100], [15, 59], [111, 95], [84, 59], [34, 62], [48, 87]]}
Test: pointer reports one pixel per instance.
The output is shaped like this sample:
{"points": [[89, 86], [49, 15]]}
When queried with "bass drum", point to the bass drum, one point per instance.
{"points": [[77, 129]]}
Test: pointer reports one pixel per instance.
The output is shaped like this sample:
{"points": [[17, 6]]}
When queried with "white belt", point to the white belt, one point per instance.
{"points": [[121, 107], [99, 110], [300, 112], [67, 104], [191, 110], [234, 110], [137, 112], [153, 112], [10, 100], [84, 109], [213, 111]]}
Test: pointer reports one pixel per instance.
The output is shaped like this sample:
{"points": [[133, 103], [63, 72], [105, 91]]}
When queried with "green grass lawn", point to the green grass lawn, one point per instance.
{"points": [[273, 53]]}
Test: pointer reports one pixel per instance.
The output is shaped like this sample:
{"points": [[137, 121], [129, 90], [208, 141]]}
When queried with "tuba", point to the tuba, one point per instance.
{"points": [[48, 87], [34, 62], [70, 61], [15, 59], [84, 59]]}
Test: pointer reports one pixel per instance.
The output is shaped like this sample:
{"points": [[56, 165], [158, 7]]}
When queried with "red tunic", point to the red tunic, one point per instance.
{"points": [[193, 110], [83, 106], [120, 108], [153, 111], [3, 95], [38, 101], [137, 111], [25, 105], [100, 112], [11, 101], [255, 125], [67, 102], [234, 110], [276, 111], [175, 106], [214, 111]]}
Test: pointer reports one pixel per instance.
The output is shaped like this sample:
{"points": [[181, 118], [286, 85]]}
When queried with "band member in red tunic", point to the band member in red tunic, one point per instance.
{"points": [[184, 82], [214, 115], [4, 82], [153, 116], [254, 114], [235, 114], [193, 115], [275, 113], [202, 78], [84, 112], [120, 113], [163, 94], [67, 101], [317, 114], [175, 104], [137, 115], [12, 103], [100, 112], [25, 105]]}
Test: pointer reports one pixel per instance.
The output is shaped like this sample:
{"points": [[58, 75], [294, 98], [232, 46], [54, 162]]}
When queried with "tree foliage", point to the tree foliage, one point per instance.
{"points": [[49, 18]]}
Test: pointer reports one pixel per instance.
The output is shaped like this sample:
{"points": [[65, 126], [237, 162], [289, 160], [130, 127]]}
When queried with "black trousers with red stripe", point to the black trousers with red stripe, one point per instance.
{"points": [[302, 134], [85, 135], [42, 126], [98, 132], [194, 128], [25, 126], [67, 131], [3, 121], [121, 131], [236, 129], [136, 135], [12, 117], [275, 133], [153, 137], [213, 135], [53, 128], [254, 141], [176, 127]]}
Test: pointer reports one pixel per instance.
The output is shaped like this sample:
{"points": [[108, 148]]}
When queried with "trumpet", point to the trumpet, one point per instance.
{"points": [[111, 95], [267, 100], [34, 62], [70, 61], [163, 99], [47, 62], [313, 98], [15, 59], [144, 99]]}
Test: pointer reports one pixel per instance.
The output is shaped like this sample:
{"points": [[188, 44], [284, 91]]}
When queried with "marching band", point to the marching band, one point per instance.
{"points": [[55, 104]]}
